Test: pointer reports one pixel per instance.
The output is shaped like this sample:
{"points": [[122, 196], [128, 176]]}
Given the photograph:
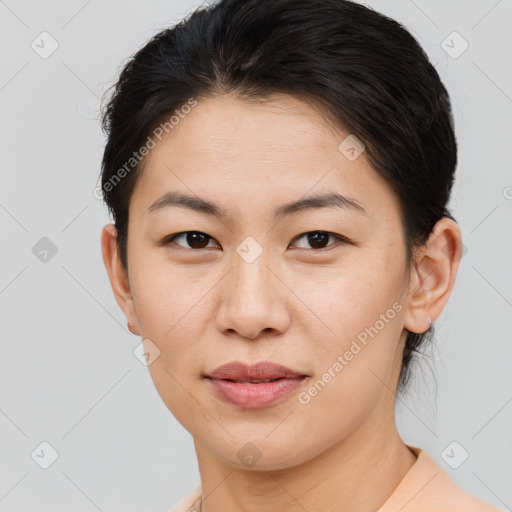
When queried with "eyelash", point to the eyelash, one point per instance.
{"points": [[170, 239]]}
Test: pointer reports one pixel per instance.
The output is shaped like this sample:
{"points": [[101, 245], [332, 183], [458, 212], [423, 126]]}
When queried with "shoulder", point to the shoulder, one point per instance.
{"points": [[428, 487], [186, 503]]}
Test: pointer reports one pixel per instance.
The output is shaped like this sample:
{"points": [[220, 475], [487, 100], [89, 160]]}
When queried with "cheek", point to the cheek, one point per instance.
{"points": [[167, 298], [355, 331], [172, 315], [340, 302], [349, 382]]}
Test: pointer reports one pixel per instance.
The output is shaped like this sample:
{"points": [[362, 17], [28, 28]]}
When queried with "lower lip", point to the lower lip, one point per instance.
{"points": [[255, 396]]}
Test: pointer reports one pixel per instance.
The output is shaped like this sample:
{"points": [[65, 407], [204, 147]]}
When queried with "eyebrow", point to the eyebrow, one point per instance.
{"points": [[325, 200]]}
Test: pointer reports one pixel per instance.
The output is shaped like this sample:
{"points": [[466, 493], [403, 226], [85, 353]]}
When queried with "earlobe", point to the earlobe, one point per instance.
{"points": [[117, 275], [433, 275]]}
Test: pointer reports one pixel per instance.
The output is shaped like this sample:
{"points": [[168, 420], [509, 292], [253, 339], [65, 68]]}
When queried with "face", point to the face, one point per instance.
{"points": [[321, 290]]}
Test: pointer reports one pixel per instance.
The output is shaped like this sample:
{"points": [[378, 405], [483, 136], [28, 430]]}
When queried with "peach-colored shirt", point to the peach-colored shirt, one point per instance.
{"points": [[425, 488]]}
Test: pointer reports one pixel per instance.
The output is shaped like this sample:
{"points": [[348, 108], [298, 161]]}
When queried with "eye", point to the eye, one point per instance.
{"points": [[319, 239], [199, 240], [195, 239]]}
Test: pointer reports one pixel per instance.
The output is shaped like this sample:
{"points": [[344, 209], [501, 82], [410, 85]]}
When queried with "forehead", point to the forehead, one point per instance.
{"points": [[244, 152]]}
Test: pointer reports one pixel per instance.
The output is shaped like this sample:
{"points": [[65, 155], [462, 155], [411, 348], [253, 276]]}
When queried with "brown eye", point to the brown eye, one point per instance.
{"points": [[195, 239], [198, 240], [318, 239]]}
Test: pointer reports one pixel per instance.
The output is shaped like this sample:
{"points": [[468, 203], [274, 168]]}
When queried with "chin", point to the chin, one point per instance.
{"points": [[260, 453]]}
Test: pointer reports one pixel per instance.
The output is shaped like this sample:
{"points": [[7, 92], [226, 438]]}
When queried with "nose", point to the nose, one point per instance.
{"points": [[254, 300]]}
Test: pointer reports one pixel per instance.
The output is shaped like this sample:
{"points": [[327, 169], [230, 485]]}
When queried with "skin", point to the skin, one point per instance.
{"points": [[297, 304]]}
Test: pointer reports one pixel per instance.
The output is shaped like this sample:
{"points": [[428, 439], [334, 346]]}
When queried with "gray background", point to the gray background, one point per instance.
{"points": [[68, 373]]}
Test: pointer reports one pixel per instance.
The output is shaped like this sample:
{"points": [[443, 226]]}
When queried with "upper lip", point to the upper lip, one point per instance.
{"points": [[237, 370]]}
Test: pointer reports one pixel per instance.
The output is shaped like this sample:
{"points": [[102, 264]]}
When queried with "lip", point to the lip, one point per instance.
{"points": [[249, 395]]}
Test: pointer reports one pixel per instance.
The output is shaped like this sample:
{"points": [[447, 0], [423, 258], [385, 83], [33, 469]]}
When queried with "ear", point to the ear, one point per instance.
{"points": [[433, 275], [117, 275]]}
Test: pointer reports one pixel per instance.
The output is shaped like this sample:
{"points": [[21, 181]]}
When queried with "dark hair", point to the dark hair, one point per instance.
{"points": [[364, 70]]}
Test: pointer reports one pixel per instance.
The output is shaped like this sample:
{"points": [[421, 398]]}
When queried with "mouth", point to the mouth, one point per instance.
{"points": [[252, 381], [254, 386], [264, 371], [255, 393]]}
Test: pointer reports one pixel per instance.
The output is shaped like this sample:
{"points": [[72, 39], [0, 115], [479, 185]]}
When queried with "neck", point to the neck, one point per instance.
{"points": [[358, 473]]}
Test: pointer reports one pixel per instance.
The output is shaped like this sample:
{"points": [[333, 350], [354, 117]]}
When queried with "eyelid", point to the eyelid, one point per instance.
{"points": [[340, 238], [168, 240]]}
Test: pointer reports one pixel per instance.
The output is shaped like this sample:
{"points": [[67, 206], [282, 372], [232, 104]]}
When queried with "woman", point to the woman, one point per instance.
{"points": [[279, 173]]}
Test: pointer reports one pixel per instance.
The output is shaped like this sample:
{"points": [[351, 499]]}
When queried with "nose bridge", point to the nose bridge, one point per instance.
{"points": [[251, 261], [252, 282], [252, 302]]}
